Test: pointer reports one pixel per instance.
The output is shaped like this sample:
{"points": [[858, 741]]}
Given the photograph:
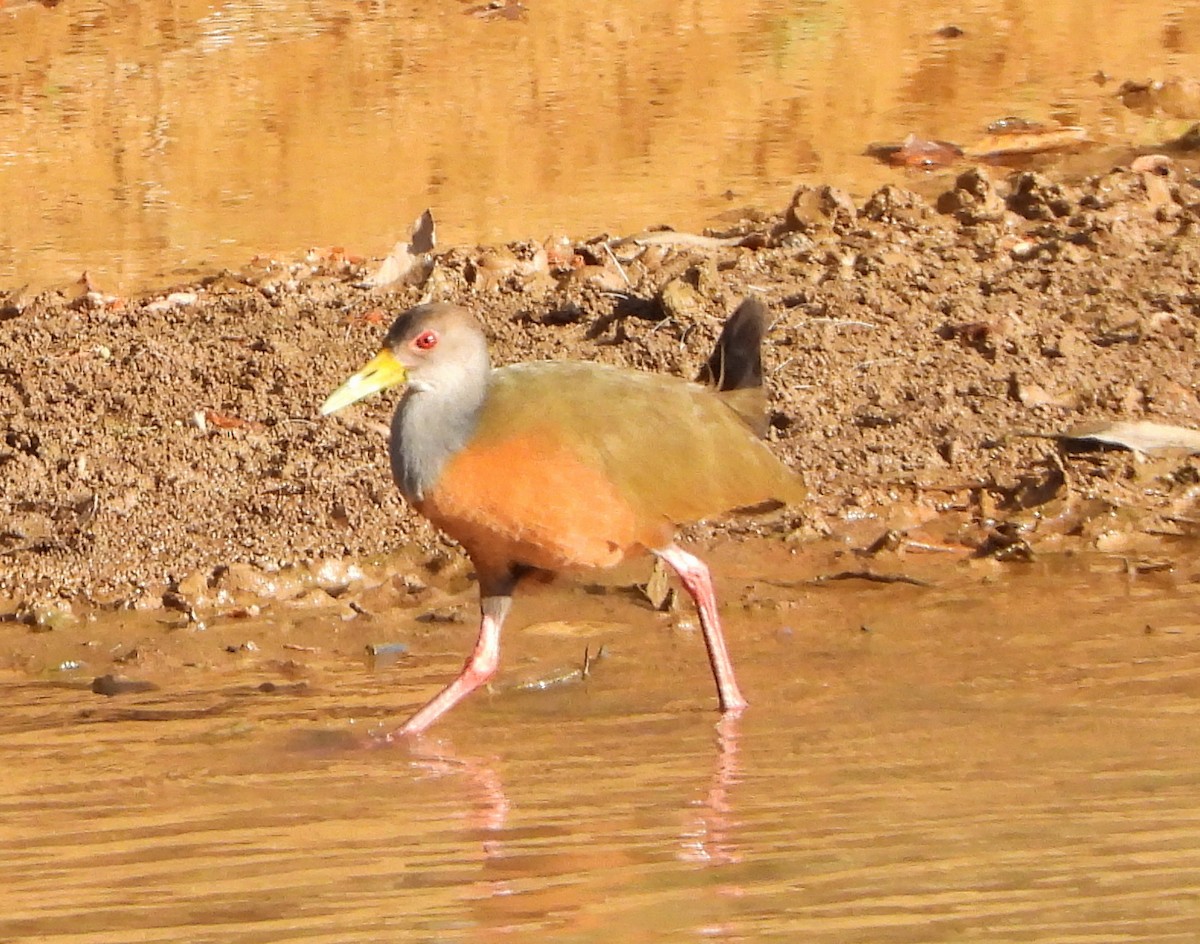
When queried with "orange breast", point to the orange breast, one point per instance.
{"points": [[529, 499]]}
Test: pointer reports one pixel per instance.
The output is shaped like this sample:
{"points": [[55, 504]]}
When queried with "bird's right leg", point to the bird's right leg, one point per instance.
{"points": [[696, 580], [478, 669]]}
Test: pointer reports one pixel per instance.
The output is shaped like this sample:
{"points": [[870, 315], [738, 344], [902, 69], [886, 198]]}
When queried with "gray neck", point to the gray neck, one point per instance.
{"points": [[429, 426]]}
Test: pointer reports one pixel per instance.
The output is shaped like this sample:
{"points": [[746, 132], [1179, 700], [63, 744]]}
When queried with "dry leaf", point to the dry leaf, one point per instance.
{"points": [[408, 262], [917, 152], [375, 317], [658, 590], [1021, 140], [224, 421], [1140, 436], [424, 233]]}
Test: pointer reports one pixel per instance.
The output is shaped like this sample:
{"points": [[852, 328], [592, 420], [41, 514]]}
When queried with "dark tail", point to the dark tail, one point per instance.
{"points": [[735, 366], [736, 361]]}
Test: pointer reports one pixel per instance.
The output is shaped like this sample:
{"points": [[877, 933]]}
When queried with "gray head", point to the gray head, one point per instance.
{"points": [[436, 347], [440, 353], [441, 347]]}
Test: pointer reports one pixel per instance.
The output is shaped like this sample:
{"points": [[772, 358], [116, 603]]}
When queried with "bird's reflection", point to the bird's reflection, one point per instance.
{"points": [[711, 838], [533, 872], [709, 835], [486, 806]]}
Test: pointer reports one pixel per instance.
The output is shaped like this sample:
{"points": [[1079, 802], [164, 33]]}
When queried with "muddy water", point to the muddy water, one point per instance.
{"points": [[1007, 755], [145, 142]]}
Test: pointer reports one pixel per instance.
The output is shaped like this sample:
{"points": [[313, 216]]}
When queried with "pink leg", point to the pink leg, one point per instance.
{"points": [[699, 586], [478, 669]]}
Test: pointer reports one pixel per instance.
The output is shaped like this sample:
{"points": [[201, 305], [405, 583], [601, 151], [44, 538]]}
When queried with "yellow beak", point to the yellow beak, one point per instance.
{"points": [[381, 372]]}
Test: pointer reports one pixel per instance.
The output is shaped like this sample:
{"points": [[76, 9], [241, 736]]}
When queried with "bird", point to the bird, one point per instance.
{"points": [[562, 465]]}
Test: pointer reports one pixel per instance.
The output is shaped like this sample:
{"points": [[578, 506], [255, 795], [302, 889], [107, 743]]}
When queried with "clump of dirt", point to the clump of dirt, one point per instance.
{"points": [[924, 359]]}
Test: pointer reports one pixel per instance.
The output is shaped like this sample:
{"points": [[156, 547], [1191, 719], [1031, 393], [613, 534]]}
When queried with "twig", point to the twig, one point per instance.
{"points": [[617, 263]]}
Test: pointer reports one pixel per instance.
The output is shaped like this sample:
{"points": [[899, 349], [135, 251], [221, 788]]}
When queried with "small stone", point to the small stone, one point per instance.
{"points": [[680, 301]]}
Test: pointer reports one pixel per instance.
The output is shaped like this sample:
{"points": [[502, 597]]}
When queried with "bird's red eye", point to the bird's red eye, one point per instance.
{"points": [[425, 341]]}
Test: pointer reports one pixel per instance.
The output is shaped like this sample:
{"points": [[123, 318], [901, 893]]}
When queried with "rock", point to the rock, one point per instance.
{"points": [[241, 580], [895, 205], [336, 575], [973, 200], [680, 301], [1175, 97], [1158, 164], [1036, 198], [821, 208], [46, 617], [381, 655]]}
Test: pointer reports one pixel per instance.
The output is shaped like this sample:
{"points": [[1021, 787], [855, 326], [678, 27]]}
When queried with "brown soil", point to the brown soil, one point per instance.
{"points": [[153, 446]]}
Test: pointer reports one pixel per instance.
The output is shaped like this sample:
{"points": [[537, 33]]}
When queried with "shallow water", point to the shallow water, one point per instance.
{"points": [[1008, 755], [148, 142]]}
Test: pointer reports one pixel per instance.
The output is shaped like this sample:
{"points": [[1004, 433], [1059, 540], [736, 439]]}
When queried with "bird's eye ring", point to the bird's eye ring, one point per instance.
{"points": [[425, 341]]}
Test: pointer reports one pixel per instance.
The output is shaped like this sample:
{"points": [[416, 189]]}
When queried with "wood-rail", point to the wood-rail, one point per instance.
{"points": [[565, 465]]}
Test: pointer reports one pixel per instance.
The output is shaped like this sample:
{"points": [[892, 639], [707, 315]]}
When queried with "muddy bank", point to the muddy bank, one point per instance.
{"points": [[925, 357]]}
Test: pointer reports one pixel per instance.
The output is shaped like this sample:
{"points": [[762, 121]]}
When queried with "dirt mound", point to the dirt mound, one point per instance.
{"points": [[146, 440]]}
